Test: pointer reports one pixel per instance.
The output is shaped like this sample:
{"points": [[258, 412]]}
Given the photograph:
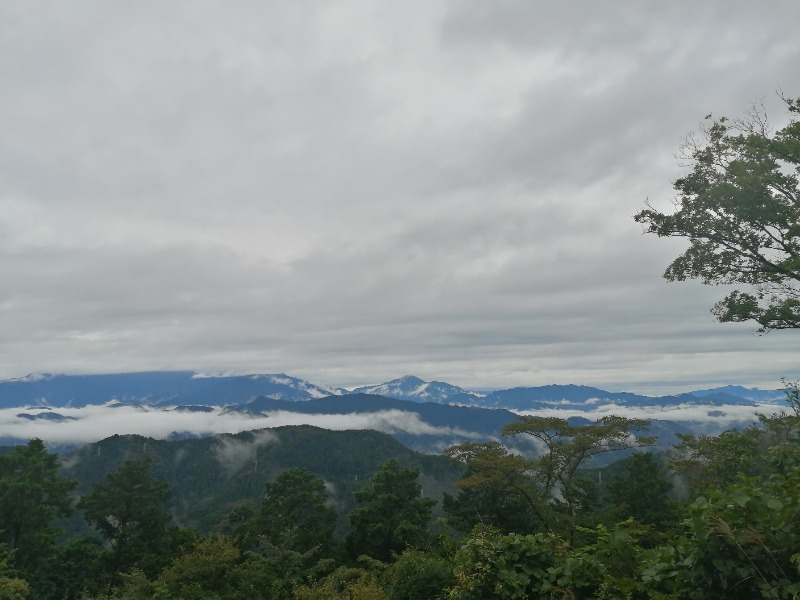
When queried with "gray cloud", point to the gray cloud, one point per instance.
{"points": [[348, 193]]}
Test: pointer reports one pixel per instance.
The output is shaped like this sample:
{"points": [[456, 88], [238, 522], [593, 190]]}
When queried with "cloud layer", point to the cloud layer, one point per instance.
{"points": [[350, 191], [92, 423]]}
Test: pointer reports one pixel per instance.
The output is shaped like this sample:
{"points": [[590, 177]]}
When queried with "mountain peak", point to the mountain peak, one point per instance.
{"points": [[408, 380], [410, 387], [32, 378]]}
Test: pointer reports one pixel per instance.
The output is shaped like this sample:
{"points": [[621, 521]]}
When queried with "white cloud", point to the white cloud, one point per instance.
{"points": [[233, 453], [92, 423], [726, 415]]}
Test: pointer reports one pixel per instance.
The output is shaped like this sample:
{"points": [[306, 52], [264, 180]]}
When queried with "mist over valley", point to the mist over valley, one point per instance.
{"points": [[67, 411]]}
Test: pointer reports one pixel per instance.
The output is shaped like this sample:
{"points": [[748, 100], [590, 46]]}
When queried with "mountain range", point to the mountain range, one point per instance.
{"points": [[187, 388], [154, 388], [69, 410]]}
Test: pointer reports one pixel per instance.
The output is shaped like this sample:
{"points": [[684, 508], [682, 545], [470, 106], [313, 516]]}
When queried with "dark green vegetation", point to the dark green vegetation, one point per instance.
{"points": [[740, 208], [538, 526], [549, 486], [209, 476]]}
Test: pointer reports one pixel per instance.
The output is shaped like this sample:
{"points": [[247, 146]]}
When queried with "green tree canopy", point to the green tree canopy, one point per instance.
{"points": [[499, 505], [741, 541], [392, 515], [550, 480], [642, 492], [127, 511], [210, 570], [739, 207], [294, 513], [32, 495], [707, 461], [495, 480]]}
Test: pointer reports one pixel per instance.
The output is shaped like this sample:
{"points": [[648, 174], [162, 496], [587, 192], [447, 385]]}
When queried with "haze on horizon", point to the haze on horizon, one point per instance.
{"points": [[351, 191]]}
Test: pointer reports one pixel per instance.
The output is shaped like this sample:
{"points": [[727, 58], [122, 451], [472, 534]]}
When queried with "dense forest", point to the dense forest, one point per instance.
{"points": [[714, 517]]}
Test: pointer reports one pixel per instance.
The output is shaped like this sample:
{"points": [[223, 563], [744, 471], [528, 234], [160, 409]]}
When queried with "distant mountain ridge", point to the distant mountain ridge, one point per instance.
{"points": [[579, 396], [188, 388], [738, 391], [424, 416], [561, 396], [155, 388]]}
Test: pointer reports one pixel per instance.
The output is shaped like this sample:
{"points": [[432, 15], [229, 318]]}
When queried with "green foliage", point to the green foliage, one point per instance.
{"points": [[77, 568], [740, 209], [392, 515], [416, 575], [32, 495], [715, 461], [127, 511], [294, 513], [741, 543], [11, 588], [495, 506], [642, 492], [209, 571], [136, 586], [550, 483], [567, 447], [494, 481], [740, 538], [612, 565], [783, 428], [214, 569], [346, 583], [239, 526], [207, 476], [288, 538]]}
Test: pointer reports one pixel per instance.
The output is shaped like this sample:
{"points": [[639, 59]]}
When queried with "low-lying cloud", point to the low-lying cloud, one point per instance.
{"points": [[92, 423], [233, 453], [725, 415]]}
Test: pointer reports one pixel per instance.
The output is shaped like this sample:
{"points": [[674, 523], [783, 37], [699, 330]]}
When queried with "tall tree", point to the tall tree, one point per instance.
{"points": [[495, 506], [739, 207], [32, 495], [294, 512], [642, 492], [706, 461], [127, 511], [392, 515], [496, 490], [549, 482]]}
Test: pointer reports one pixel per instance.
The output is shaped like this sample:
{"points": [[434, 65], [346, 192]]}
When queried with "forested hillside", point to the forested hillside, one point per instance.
{"points": [[301, 512], [518, 507], [208, 476]]}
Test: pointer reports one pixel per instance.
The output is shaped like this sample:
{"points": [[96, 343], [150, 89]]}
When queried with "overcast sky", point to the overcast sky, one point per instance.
{"points": [[352, 191]]}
